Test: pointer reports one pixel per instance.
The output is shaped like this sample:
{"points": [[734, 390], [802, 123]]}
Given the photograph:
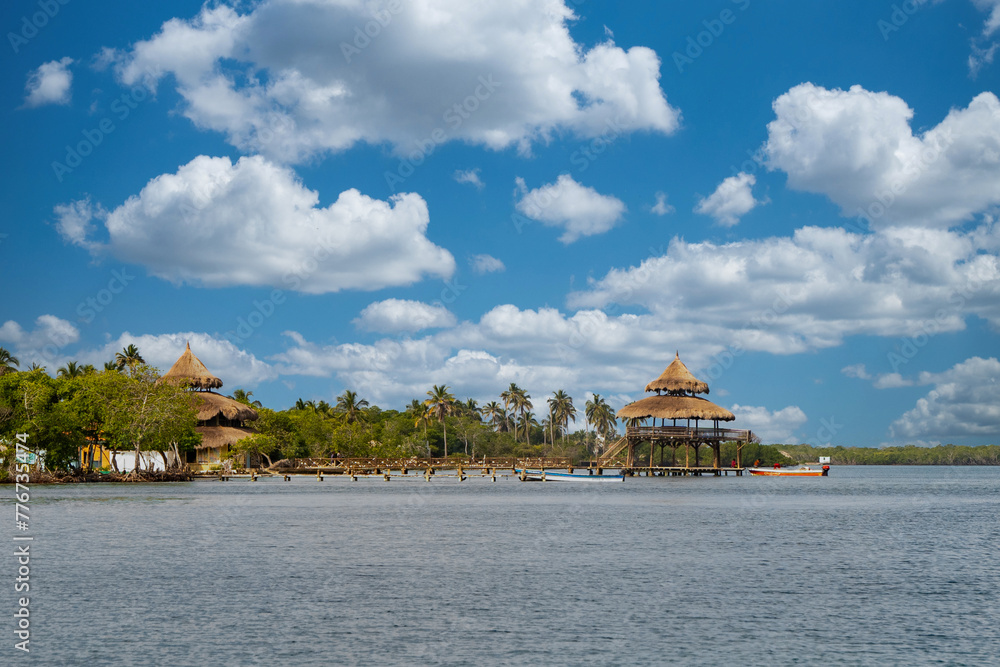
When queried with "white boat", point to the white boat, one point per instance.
{"points": [[529, 475]]}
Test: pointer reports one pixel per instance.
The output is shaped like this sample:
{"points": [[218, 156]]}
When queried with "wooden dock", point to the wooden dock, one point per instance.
{"points": [[428, 468]]}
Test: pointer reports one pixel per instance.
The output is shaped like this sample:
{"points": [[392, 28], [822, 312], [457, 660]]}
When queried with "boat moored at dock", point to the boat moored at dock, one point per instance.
{"points": [[528, 475], [801, 471]]}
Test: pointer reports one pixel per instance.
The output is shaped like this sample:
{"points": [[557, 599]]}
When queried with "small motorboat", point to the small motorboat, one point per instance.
{"points": [[528, 475], [800, 471]]}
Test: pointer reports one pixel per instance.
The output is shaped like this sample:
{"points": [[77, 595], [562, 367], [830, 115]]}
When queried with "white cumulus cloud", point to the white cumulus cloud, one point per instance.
{"points": [[216, 223], [771, 426], [294, 79], [731, 200], [43, 345], [49, 84], [809, 291], [964, 401], [483, 264], [470, 177], [857, 148], [579, 210], [398, 315], [661, 207], [235, 367]]}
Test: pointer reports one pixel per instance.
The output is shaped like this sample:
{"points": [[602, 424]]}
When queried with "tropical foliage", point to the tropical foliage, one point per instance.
{"points": [[125, 408]]}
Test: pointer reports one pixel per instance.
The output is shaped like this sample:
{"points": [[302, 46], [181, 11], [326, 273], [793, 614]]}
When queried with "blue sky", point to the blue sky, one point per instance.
{"points": [[800, 198]]}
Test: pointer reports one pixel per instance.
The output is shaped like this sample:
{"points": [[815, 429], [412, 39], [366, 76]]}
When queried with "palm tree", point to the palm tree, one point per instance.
{"points": [[561, 410], [521, 401], [129, 356], [300, 404], [8, 362], [471, 408], [593, 407], [243, 396], [34, 367], [528, 421], [88, 369], [110, 366], [441, 403], [495, 413], [603, 417], [350, 405], [423, 415], [70, 370], [565, 411], [507, 397]]}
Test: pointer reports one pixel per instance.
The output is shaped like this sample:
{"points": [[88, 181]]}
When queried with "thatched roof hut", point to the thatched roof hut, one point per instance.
{"points": [[678, 401], [675, 407], [189, 371], [220, 418], [211, 405], [677, 379], [220, 436]]}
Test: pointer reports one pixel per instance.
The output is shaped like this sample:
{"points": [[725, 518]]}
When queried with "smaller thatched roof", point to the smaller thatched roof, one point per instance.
{"points": [[677, 378], [675, 407], [211, 404], [217, 436], [189, 371]]}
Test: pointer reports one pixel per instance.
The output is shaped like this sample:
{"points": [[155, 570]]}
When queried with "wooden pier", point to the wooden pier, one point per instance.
{"points": [[492, 468]]}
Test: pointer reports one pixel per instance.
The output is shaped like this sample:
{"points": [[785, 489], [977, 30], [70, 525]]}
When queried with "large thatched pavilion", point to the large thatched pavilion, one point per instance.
{"points": [[220, 418], [677, 399]]}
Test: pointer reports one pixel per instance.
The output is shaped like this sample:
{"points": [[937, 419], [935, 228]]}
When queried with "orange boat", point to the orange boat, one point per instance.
{"points": [[801, 471]]}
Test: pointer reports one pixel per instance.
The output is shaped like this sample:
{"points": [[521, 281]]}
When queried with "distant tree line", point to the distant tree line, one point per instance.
{"points": [[911, 455]]}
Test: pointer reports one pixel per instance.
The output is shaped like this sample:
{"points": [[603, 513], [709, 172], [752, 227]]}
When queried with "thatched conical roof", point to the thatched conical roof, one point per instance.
{"points": [[218, 436], [675, 407], [188, 370], [677, 378], [211, 404]]}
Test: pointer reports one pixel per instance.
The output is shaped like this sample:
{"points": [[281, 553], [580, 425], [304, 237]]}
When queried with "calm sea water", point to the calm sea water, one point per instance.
{"points": [[870, 566]]}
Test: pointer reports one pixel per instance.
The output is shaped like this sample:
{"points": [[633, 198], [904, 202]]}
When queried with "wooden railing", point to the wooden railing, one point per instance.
{"points": [[664, 432]]}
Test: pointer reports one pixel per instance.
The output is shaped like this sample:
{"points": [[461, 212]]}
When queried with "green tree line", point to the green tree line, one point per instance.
{"points": [[912, 455], [122, 406]]}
